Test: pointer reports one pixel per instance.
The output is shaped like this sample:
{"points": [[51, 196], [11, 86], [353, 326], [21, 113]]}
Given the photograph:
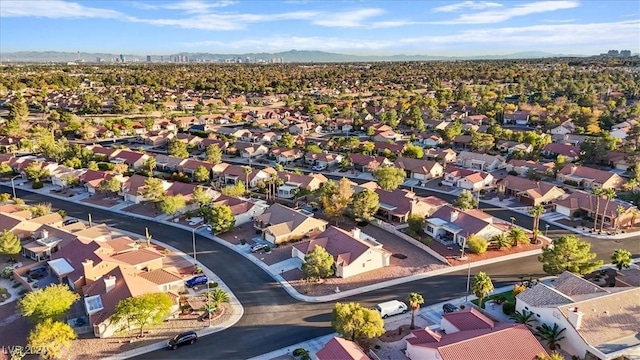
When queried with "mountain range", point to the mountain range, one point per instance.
{"points": [[295, 56]]}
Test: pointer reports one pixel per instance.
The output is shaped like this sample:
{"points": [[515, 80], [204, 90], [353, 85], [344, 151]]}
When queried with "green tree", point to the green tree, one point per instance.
{"points": [[353, 321], [501, 241], [213, 154], [221, 218], [389, 178], [200, 196], [234, 190], [318, 264], [40, 209], [49, 303], [524, 317], [535, 212], [149, 165], [18, 110], [477, 244], [517, 236], [336, 205], [5, 170], [172, 204], [153, 190], [178, 149], [365, 204], [413, 151], [313, 148], [287, 140], [466, 200], [416, 223], [201, 174], [415, 301], [52, 337], [569, 254], [213, 299], [552, 335], [111, 185], [9, 244], [621, 258], [141, 311], [481, 287], [35, 172], [5, 197]]}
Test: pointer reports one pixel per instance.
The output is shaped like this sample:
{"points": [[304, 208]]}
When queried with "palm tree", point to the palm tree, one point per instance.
{"points": [[535, 213], [621, 258], [597, 191], [550, 334], [481, 286], [501, 241], [524, 317], [619, 211], [214, 298], [608, 194], [247, 172], [634, 215], [415, 300], [517, 236]]}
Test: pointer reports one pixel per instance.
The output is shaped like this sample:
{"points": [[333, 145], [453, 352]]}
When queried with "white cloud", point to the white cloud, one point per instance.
{"points": [[54, 9], [559, 21], [467, 5], [187, 6], [347, 19], [500, 15], [279, 43]]}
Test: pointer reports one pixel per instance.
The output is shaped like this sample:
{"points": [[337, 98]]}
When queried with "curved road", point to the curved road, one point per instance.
{"points": [[272, 318]]}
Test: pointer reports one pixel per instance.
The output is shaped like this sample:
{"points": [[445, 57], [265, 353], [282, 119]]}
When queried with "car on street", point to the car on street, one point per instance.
{"points": [[197, 280], [187, 337], [449, 308], [318, 167], [69, 222], [258, 247]]}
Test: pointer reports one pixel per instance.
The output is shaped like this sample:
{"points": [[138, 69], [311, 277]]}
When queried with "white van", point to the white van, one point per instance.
{"points": [[390, 308]]}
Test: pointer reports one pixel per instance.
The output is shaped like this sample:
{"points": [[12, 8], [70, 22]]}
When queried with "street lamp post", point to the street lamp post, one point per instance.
{"points": [[546, 229], [13, 186], [193, 238]]}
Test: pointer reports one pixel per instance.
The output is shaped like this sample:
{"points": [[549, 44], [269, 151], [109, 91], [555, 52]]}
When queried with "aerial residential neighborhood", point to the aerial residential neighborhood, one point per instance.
{"points": [[332, 205]]}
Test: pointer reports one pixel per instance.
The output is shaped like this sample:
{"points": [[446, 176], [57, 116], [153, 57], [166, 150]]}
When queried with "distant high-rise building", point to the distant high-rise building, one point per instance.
{"points": [[148, 58], [122, 59], [161, 58], [98, 59], [625, 53], [613, 53]]}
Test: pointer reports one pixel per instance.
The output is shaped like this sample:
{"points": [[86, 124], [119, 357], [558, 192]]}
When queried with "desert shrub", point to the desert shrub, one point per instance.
{"points": [[509, 308], [299, 352], [477, 244], [37, 185], [213, 285]]}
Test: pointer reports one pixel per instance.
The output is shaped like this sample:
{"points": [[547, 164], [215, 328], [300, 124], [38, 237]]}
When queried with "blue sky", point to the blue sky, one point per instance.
{"points": [[351, 27]]}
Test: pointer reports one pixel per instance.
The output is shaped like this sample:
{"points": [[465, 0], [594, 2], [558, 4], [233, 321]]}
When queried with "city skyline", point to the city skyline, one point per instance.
{"points": [[442, 28]]}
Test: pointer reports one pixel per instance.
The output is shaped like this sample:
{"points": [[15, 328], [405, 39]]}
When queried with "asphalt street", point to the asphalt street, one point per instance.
{"points": [[272, 319]]}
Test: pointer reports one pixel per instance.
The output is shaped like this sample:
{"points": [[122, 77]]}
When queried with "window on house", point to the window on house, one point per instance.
{"points": [[526, 308], [429, 229]]}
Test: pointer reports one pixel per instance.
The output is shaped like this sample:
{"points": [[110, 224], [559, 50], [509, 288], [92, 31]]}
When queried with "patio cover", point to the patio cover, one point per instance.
{"points": [[60, 266]]}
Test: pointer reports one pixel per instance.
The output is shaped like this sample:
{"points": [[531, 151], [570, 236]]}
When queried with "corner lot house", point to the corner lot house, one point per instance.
{"points": [[280, 224], [589, 178], [449, 225], [354, 253]]}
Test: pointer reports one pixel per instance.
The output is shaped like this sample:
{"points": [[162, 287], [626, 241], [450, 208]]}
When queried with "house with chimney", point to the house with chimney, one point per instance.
{"points": [[280, 224], [599, 322], [353, 252], [589, 178], [449, 225]]}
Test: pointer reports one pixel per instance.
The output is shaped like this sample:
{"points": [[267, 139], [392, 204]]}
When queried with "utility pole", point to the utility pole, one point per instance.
{"points": [[90, 222], [147, 236], [466, 297]]}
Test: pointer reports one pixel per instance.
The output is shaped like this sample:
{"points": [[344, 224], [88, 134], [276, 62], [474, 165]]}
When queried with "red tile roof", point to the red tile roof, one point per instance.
{"points": [[341, 349], [469, 319]]}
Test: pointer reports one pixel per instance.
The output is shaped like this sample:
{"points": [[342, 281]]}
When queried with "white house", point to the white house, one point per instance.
{"points": [[479, 161], [449, 225]]}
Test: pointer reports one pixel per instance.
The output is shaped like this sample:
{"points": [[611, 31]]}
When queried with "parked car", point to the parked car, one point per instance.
{"points": [[449, 308], [390, 308], [258, 247], [318, 167], [188, 337], [70, 221], [197, 280]]}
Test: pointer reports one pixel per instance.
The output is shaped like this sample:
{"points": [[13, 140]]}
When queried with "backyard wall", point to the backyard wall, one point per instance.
{"points": [[391, 229]]}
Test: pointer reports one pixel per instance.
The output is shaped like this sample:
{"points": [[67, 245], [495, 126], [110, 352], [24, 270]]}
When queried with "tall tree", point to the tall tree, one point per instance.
{"points": [[178, 149], [213, 154], [569, 254], [466, 200], [201, 174], [481, 287], [9, 244], [200, 196], [173, 204], [389, 178], [221, 218], [413, 151], [597, 192], [234, 190], [142, 311], [49, 303], [247, 172], [608, 194], [552, 335], [415, 301], [153, 190], [111, 185], [149, 165], [287, 140], [621, 258], [365, 204], [535, 212], [353, 321], [18, 110], [318, 264], [51, 338]]}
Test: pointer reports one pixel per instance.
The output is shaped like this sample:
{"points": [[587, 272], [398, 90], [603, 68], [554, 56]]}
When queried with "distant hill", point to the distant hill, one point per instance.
{"points": [[286, 56]]}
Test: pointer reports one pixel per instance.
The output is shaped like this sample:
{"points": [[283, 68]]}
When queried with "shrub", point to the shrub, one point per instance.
{"points": [[462, 307], [518, 288], [213, 285], [267, 249], [509, 308], [37, 185], [299, 352], [23, 291], [243, 241], [7, 272], [426, 240], [477, 245], [16, 285]]}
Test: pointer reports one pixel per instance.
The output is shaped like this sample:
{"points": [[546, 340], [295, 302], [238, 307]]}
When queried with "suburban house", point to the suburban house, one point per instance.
{"points": [[467, 179], [280, 224], [354, 253], [511, 146], [168, 162], [305, 128], [476, 161], [133, 188], [442, 156], [517, 118], [368, 163], [343, 349], [566, 127], [251, 150], [46, 240], [189, 166], [449, 225], [231, 174], [323, 159], [399, 204], [616, 213], [523, 167], [428, 140], [132, 159], [570, 152], [589, 178], [243, 210], [390, 135], [468, 334], [385, 148], [599, 323], [286, 156], [294, 183], [420, 169], [91, 179], [531, 192], [62, 175]]}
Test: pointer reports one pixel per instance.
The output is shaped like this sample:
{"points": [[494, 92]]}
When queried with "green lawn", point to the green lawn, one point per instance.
{"points": [[507, 294]]}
